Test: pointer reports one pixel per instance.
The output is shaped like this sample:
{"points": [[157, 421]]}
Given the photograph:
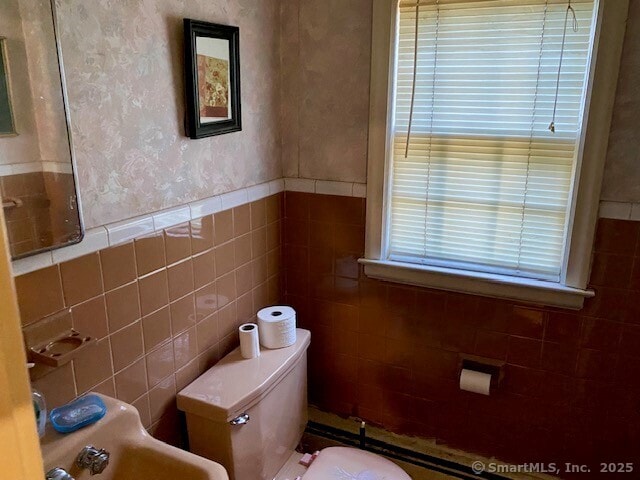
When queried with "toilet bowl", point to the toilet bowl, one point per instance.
{"points": [[345, 463], [249, 416]]}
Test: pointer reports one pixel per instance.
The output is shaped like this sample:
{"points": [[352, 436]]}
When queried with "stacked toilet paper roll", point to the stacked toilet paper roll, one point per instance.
{"points": [[277, 326], [249, 345]]}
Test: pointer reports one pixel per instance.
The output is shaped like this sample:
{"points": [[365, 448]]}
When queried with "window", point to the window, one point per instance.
{"points": [[486, 113]]}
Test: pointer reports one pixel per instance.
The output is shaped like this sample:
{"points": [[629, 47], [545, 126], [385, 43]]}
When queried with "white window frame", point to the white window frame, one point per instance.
{"points": [[571, 291]]}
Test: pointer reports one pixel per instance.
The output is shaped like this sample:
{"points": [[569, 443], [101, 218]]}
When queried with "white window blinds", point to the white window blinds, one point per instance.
{"points": [[478, 180]]}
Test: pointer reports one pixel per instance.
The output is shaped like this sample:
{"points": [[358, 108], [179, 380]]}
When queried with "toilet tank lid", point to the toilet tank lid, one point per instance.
{"points": [[231, 385]]}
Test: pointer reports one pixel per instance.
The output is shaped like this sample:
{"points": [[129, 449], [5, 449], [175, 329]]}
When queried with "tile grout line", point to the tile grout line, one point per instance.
{"points": [[145, 351]]}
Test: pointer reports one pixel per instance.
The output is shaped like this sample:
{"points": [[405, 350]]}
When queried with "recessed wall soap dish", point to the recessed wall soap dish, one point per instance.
{"points": [[61, 349]]}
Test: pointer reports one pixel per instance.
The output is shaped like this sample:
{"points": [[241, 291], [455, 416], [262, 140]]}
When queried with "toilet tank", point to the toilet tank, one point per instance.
{"points": [[249, 415]]}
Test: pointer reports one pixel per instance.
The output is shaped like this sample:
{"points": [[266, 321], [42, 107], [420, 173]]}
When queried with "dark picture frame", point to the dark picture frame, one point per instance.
{"points": [[212, 78]]}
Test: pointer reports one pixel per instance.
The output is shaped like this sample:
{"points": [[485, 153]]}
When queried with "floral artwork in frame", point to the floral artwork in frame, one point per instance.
{"points": [[212, 78]]}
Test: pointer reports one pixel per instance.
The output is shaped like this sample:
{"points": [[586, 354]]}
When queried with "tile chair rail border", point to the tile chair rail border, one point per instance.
{"points": [[122, 231]]}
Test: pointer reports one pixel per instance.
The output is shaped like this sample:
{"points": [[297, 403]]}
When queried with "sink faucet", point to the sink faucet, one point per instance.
{"points": [[58, 474], [93, 459]]}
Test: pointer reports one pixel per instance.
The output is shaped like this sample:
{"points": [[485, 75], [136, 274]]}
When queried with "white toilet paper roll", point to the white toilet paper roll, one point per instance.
{"points": [[476, 382], [277, 326], [249, 343]]}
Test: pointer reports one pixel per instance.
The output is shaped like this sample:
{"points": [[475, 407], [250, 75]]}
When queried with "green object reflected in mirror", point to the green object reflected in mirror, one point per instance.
{"points": [[6, 115]]}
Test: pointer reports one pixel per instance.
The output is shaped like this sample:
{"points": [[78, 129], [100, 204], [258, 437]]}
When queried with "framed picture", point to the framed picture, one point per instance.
{"points": [[212, 78]]}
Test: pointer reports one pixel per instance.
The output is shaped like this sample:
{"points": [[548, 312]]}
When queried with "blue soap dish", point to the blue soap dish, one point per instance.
{"points": [[77, 414]]}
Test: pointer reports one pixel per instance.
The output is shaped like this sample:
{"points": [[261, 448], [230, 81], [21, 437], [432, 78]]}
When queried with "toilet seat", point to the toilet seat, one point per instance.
{"points": [[345, 463]]}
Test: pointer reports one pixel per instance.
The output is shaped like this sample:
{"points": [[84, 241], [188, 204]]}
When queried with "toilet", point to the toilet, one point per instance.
{"points": [[249, 416]]}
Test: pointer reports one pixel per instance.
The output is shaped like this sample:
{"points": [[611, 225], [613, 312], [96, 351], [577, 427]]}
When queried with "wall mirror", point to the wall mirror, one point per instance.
{"points": [[37, 179]]}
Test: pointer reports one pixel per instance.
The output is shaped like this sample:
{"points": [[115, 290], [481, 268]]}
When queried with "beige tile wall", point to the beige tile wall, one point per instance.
{"points": [[164, 308], [28, 222], [45, 212], [390, 354]]}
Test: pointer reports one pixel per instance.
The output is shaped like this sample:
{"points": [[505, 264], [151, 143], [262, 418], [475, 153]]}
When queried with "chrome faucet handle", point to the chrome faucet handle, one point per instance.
{"points": [[93, 459], [58, 474]]}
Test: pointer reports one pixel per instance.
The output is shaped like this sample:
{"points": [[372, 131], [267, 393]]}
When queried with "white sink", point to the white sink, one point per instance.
{"points": [[134, 454]]}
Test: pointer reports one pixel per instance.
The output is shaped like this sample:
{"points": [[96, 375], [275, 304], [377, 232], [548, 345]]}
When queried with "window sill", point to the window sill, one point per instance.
{"points": [[484, 284]]}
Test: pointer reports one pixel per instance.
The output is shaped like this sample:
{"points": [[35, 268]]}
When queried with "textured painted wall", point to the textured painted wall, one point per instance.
{"points": [[123, 63], [35, 89], [622, 172], [44, 73], [326, 64], [325, 69], [24, 147]]}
